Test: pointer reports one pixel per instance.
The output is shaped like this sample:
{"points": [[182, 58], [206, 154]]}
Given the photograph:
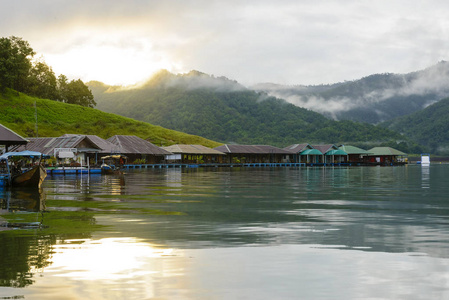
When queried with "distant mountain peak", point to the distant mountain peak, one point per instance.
{"points": [[191, 80], [195, 73]]}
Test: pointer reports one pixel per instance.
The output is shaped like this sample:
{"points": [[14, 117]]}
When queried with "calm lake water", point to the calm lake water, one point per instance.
{"points": [[223, 233]]}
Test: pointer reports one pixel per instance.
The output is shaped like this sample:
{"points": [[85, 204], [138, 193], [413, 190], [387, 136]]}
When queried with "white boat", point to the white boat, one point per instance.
{"points": [[425, 159]]}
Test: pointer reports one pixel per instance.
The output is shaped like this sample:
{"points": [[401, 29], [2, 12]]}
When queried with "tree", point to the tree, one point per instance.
{"points": [[76, 92], [15, 63], [62, 86], [37, 79], [41, 81]]}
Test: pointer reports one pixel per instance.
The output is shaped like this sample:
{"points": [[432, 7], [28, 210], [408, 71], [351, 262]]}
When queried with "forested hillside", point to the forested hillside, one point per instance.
{"points": [[429, 127], [56, 118], [223, 110], [372, 99]]}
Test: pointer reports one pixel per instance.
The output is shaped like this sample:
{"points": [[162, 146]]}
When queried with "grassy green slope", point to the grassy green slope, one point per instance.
{"points": [[56, 118]]}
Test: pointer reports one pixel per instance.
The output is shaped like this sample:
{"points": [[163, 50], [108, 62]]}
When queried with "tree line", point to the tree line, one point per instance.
{"points": [[20, 72]]}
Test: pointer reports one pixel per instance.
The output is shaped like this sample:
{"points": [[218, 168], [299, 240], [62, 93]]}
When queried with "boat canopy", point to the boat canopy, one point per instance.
{"points": [[26, 153]]}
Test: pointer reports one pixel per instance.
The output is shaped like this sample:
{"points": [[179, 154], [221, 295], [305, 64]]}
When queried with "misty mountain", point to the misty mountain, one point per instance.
{"points": [[429, 126], [225, 111], [372, 99]]}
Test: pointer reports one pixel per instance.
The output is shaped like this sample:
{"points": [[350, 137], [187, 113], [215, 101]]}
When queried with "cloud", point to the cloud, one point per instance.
{"points": [[330, 107], [196, 80], [289, 42]]}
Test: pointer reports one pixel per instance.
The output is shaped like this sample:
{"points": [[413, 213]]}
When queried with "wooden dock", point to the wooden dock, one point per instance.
{"points": [[69, 171], [77, 170], [246, 165]]}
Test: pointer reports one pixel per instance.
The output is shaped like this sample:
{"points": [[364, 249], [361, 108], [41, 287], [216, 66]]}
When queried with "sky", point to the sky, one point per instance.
{"points": [[283, 41]]}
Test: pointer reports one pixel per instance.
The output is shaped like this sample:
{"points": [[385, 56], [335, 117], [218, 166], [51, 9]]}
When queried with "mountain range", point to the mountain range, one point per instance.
{"points": [[372, 99], [223, 110]]}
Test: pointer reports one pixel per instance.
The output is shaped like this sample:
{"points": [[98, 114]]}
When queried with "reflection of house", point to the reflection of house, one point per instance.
{"points": [[355, 154], [254, 154], [71, 146], [331, 154], [9, 138], [193, 154], [136, 148], [305, 153], [386, 155]]}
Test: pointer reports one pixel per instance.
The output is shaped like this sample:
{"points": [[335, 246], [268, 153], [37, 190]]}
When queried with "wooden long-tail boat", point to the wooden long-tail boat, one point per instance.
{"points": [[31, 178], [14, 176], [115, 162]]}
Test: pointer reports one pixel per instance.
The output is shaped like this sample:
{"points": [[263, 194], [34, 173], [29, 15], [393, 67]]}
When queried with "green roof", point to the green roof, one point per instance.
{"points": [[353, 150], [336, 152], [311, 152], [379, 151]]}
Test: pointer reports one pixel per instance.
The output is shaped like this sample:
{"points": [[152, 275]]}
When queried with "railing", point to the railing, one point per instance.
{"points": [[160, 166]]}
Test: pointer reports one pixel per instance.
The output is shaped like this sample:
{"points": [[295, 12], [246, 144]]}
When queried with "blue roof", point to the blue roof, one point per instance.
{"points": [[336, 152], [26, 153], [311, 152]]}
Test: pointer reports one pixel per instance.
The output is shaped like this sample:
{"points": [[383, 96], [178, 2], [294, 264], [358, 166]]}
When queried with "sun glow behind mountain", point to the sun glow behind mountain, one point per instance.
{"points": [[108, 63]]}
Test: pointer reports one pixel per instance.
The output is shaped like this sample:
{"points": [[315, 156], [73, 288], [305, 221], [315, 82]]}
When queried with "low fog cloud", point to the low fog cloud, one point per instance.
{"points": [[321, 105], [195, 80], [432, 81]]}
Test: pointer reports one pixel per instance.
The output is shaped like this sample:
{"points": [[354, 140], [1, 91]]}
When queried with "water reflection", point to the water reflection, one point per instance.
{"points": [[200, 234], [174, 177], [21, 255], [15, 201], [425, 176], [276, 272], [118, 268], [28, 232]]}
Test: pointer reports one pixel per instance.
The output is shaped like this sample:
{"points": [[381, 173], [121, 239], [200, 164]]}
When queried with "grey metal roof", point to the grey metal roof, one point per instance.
{"points": [[298, 148], [36, 144], [325, 148], [92, 143], [251, 149], [192, 149], [67, 141], [104, 145], [9, 137], [131, 144]]}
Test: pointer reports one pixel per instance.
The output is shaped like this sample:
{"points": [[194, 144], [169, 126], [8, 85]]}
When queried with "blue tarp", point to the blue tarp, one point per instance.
{"points": [[25, 154]]}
